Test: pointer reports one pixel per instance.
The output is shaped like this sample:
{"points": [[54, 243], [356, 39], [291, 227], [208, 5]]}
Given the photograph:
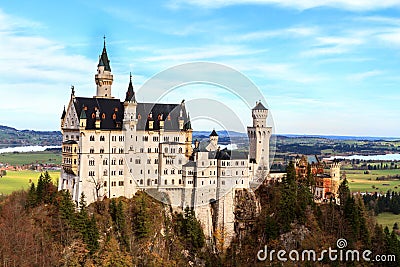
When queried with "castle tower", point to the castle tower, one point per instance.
{"points": [[103, 77], [130, 105], [188, 138], [335, 177], [259, 135], [213, 145]]}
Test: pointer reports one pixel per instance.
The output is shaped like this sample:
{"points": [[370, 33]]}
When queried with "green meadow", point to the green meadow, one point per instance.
{"points": [[27, 158], [388, 219], [17, 180], [360, 182]]}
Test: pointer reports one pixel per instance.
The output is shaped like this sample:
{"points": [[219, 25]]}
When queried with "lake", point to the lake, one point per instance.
{"points": [[388, 157]]}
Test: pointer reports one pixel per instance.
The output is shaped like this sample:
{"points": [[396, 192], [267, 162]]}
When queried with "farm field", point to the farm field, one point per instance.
{"points": [[360, 182], [27, 158], [16, 180]]}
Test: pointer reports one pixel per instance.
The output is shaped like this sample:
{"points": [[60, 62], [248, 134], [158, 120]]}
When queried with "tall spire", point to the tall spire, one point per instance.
{"points": [[130, 93], [103, 60]]}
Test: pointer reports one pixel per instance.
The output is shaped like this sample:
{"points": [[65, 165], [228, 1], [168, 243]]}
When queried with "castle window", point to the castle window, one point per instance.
{"points": [[105, 183], [137, 161], [179, 161], [121, 183], [155, 171], [179, 171], [155, 181], [113, 161], [105, 173], [148, 171], [141, 171], [74, 161], [237, 173], [172, 171], [156, 150], [101, 150], [173, 181], [166, 138], [91, 162], [114, 150], [180, 150], [141, 181], [148, 161], [114, 116], [165, 181], [223, 182], [166, 171], [113, 173], [121, 172], [202, 182], [210, 172], [180, 181], [155, 138], [142, 150], [202, 173], [103, 116], [91, 173], [148, 182], [91, 151], [149, 150], [114, 183], [166, 150], [202, 163], [130, 181], [155, 161], [121, 162], [145, 138]]}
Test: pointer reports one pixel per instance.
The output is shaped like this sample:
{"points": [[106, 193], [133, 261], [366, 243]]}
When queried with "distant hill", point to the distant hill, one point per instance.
{"points": [[12, 137]]}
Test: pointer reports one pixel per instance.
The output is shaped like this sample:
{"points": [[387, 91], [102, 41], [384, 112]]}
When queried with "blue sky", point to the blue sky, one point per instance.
{"points": [[325, 67]]}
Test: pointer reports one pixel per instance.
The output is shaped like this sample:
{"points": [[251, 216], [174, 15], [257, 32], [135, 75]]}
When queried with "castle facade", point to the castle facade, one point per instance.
{"points": [[114, 148]]}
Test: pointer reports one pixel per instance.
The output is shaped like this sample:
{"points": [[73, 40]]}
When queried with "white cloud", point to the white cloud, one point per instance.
{"points": [[37, 74], [332, 45], [364, 75], [288, 32], [200, 53], [355, 5]]}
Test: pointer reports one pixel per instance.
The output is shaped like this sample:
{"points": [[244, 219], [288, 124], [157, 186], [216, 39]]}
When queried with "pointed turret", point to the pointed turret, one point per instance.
{"points": [[188, 124], [63, 114], [103, 60], [130, 93], [82, 119]]}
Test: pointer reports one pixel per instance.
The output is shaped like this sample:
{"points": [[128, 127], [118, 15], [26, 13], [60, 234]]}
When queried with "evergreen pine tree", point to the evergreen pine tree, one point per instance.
{"points": [[32, 197]]}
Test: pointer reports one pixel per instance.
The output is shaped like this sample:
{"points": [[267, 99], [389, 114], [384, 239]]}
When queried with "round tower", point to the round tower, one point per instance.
{"points": [[103, 77]]}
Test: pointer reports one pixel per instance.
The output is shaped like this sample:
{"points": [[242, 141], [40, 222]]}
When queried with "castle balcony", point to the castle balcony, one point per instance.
{"points": [[170, 155]]}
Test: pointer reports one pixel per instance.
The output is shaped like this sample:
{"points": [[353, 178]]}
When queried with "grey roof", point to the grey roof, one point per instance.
{"points": [[226, 154], [190, 164], [169, 113], [259, 106], [111, 112]]}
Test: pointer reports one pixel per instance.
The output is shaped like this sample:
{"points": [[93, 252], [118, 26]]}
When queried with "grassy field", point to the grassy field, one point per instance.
{"points": [[16, 180], [358, 181], [388, 219], [31, 158]]}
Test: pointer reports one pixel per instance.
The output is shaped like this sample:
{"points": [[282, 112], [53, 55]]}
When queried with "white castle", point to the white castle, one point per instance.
{"points": [[114, 148]]}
